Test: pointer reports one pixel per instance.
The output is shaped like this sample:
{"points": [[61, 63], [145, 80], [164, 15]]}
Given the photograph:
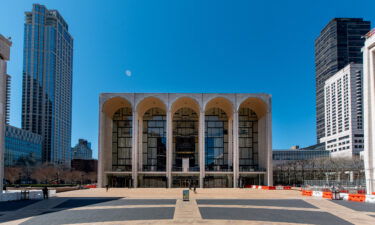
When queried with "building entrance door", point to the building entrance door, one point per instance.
{"points": [[120, 181], [185, 181], [216, 182]]}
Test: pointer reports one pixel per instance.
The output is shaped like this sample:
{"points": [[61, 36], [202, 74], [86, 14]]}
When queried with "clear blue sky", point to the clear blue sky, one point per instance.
{"points": [[189, 46]]}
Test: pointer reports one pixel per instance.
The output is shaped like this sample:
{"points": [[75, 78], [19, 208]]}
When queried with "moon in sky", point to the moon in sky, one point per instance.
{"points": [[128, 73]]}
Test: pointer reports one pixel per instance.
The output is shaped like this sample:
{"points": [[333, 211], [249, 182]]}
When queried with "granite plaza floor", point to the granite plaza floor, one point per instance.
{"points": [[165, 206]]}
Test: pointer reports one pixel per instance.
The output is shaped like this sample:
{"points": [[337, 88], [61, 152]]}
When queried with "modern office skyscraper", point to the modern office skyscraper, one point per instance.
{"points": [[47, 82], [338, 44]]}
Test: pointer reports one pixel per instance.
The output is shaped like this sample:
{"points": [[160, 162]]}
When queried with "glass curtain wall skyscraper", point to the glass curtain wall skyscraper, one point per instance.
{"points": [[338, 44], [47, 82]]}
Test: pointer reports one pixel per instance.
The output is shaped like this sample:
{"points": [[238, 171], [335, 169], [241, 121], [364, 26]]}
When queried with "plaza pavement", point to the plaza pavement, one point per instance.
{"points": [[165, 206]]}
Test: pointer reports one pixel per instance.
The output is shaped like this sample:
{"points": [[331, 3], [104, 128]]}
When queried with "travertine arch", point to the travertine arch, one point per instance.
{"points": [[185, 102], [148, 103], [113, 104], [220, 102], [257, 105]]}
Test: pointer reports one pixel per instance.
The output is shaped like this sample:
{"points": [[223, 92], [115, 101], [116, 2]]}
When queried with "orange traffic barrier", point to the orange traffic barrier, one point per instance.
{"points": [[306, 192], [357, 197], [327, 194], [268, 187], [287, 188]]}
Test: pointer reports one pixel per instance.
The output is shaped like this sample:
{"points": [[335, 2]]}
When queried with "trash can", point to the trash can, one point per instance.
{"points": [[185, 195]]}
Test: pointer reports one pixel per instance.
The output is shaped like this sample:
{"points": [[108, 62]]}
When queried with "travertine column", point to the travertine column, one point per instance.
{"points": [[169, 148], [201, 148], [2, 119], [5, 54], [101, 149], [235, 150], [135, 149], [269, 146], [369, 112]]}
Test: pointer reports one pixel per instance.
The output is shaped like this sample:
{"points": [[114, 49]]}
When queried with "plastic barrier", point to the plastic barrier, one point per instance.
{"points": [[370, 198], [306, 192], [344, 196], [317, 194], [357, 197], [287, 188], [327, 194], [268, 187]]}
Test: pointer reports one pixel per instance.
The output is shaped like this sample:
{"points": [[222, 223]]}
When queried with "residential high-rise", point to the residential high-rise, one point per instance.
{"points": [[338, 44], [344, 112], [7, 98], [5, 45], [47, 82]]}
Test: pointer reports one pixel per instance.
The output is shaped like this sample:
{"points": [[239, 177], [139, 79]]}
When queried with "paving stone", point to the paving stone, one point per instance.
{"points": [[102, 215], [271, 215], [357, 206], [258, 202]]}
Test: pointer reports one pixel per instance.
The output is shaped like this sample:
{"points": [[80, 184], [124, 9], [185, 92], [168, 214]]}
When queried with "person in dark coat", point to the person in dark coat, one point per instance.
{"points": [[45, 193]]}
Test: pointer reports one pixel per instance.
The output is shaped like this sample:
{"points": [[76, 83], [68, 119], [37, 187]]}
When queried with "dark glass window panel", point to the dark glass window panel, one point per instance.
{"points": [[154, 140], [122, 140], [216, 140], [248, 140]]}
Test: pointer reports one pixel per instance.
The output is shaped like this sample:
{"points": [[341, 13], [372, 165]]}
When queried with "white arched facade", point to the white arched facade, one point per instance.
{"points": [[204, 140]]}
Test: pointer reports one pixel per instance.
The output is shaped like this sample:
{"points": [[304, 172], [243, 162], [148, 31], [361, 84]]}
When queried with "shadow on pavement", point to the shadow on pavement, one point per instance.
{"points": [[9, 209]]}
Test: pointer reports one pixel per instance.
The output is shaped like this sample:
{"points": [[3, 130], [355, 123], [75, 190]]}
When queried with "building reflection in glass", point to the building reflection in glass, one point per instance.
{"points": [[185, 139], [216, 140], [154, 140]]}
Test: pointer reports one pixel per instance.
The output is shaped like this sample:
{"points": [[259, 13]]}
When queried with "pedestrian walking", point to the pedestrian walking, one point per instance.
{"points": [[195, 188], [107, 187], [45, 192]]}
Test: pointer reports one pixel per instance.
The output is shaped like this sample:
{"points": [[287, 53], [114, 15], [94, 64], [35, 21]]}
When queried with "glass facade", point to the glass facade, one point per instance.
{"points": [[47, 82], [216, 137], [22, 148], [185, 139], [248, 140], [122, 140], [154, 140]]}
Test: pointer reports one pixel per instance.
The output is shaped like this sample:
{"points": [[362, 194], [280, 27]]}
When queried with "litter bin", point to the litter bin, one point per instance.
{"points": [[185, 195]]}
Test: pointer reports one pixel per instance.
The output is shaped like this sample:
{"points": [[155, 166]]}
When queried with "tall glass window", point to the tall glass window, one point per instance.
{"points": [[185, 139], [248, 140], [216, 136], [154, 140], [122, 140]]}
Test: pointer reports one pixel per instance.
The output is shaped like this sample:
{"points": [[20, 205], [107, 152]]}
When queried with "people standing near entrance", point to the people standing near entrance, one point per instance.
{"points": [[45, 192], [195, 188], [106, 187], [189, 183]]}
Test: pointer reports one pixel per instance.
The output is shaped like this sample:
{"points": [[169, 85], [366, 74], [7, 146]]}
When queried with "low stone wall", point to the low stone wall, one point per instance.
{"points": [[14, 195]]}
